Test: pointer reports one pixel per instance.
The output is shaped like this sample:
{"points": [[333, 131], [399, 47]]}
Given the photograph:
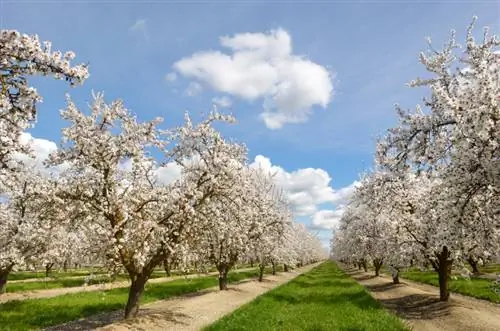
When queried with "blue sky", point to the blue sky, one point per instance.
{"points": [[370, 49]]}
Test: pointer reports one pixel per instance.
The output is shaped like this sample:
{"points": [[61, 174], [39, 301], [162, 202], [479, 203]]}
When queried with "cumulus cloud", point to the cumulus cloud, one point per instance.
{"points": [[40, 150], [327, 219], [305, 188], [342, 196], [222, 102], [262, 66], [168, 173]]}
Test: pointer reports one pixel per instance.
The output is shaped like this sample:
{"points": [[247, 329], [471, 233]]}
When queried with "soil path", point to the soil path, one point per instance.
{"points": [[186, 313], [36, 294], [419, 305]]}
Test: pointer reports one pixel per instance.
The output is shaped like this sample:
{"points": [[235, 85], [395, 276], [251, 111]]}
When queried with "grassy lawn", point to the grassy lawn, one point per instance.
{"points": [[60, 283], [323, 299], [493, 268], [22, 275], [39, 313], [475, 287]]}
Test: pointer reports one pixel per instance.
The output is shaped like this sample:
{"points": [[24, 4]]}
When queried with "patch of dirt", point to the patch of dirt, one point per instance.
{"points": [[419, 305], [37, 294], [189, 312]]}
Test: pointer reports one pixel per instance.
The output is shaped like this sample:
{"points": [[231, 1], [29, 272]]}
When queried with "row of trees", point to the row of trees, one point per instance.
{"points": [[102, 196], [434, 195]]}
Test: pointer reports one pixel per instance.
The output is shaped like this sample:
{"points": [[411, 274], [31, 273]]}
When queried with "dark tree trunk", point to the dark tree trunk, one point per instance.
{"points": [[65, 266], [48, 269], [285, 268], [251, 263], [473, 263], [274, 268], [166, 266], [223, 270], [365, 267], [444, 270], [134, 295], [261, 272], [377, 263], [359, 265], [4, 274], [395, 275]]}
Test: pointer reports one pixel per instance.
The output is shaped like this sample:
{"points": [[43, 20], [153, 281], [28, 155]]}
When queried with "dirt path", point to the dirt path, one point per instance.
{"points": [[189, 312], [37, 294], [419, 305]]}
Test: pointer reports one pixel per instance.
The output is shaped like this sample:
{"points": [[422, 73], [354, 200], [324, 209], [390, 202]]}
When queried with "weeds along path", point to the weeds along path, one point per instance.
{"points": [[37, 294], [419, 305], [188, 312]]}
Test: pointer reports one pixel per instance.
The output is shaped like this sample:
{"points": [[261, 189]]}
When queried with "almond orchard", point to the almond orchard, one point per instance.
{"points": [[100, 203], [433, 196], [99, 197]]}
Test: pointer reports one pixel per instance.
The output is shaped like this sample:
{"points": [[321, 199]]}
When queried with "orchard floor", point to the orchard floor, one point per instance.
{"points": [[419, 305], [189, 312], [37, 294]]}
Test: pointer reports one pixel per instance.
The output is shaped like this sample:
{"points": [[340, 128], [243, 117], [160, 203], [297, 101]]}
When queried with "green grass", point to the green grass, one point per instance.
{"points": [[493, 268], [60, 283], [23, 275], [323, 299], [40, 313], [475, 287]]}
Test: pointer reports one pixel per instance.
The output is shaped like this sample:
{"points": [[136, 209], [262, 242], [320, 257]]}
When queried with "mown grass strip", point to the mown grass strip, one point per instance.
{"points": [[39, 313], [60, 283], [23, 275], [325, 298], [475, 287]]}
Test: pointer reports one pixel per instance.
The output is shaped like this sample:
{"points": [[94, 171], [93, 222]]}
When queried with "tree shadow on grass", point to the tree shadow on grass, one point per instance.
{"points": [[417, 306]]}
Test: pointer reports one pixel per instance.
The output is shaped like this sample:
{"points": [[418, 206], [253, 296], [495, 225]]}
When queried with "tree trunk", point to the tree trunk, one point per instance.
{"points": [[134, 296], [473, 263], [251, 263], [274, 268], [359, 266], [166, 266], [261, 272], [65, 266], [444, 271], [365, 267], [4, 274], [48, 269], [223, 270], [377, 263], [395, 275], [285, 268]]}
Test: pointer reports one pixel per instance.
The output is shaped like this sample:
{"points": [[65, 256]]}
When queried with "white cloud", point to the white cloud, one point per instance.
{"points": [[193, 89], [342, 195], [326, 219], [40, 150], [305, 188], [223, 102], [168, 173], [171, 76], [262, 66]]}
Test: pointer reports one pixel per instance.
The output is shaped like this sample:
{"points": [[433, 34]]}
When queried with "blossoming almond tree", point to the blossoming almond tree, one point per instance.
{"points": [[112, 179], [22, 56], [29, 213], [456, 142]]}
